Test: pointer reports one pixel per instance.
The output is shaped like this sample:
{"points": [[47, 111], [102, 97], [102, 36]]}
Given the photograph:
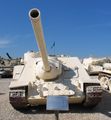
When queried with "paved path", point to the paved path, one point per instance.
{"points": [[101, 112]]}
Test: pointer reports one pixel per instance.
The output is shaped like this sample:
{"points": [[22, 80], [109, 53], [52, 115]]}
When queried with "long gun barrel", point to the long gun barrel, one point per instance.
{"points": [[34, 15]]}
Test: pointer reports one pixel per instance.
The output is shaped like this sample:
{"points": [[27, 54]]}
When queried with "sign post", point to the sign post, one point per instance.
{"points": [[56, 104]]}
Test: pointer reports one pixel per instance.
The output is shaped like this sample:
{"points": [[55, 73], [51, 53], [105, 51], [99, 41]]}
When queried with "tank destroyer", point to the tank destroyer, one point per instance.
{"points": [[99, 68], [42, 76]]}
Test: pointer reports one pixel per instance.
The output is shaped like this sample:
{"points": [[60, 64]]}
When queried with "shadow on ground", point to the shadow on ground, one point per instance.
{"points": [[103, 107]]}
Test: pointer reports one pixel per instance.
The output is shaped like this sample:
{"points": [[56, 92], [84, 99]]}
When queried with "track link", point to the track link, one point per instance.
{"points": [[93, 97], [18, 97]]}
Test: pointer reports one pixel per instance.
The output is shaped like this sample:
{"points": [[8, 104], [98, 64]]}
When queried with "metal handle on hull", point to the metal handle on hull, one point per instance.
{"points": [[34, 15]]}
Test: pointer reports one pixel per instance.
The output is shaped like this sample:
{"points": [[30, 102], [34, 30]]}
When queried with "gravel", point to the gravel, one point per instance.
{"points": [[76, 112]]}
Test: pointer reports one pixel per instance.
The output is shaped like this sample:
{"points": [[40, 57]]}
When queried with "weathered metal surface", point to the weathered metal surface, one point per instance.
{"points": [[51, 75]]}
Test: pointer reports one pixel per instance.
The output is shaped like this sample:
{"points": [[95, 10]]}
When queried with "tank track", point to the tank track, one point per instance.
{"points": [[18, 102], [92, 97]]}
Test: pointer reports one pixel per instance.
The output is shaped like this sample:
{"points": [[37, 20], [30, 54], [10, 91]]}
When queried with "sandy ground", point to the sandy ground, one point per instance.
{"points": [[76, 112]]}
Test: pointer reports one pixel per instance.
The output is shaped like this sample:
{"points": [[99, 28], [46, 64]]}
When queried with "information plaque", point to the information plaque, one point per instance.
{"points": [[57, 103]]}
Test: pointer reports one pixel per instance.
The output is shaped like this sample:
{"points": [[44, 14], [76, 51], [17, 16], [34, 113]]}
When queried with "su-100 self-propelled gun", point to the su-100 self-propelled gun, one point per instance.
{"points": [[42, 76]]}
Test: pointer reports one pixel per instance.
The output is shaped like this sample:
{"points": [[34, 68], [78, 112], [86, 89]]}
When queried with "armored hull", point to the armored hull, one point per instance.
{"points": [[73, 82]]}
